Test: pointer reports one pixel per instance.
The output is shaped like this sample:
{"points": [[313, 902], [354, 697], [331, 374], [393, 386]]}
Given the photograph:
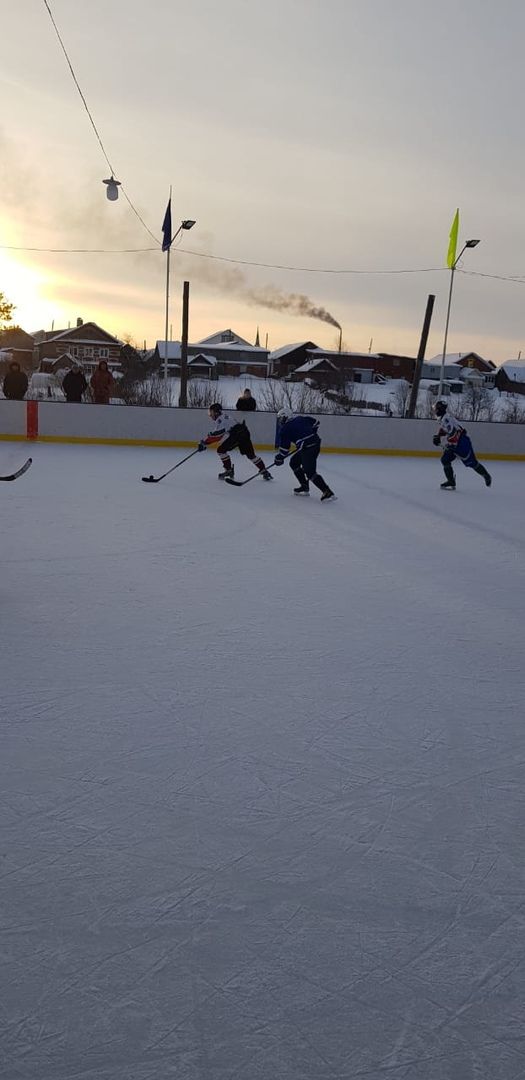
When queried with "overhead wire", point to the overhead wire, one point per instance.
{"points": [[93, 125]]}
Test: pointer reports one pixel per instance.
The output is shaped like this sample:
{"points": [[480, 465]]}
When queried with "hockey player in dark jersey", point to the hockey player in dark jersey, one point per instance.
{"points": [[301, 431], [227, 435], [458, 445]]}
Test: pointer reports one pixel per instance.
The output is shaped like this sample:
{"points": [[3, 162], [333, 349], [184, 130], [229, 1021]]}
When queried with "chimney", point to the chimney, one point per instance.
{"points": [[80, 322]]}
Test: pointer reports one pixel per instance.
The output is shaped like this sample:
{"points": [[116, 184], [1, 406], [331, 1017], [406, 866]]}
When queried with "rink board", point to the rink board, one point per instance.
{"points": [[121, 425]]}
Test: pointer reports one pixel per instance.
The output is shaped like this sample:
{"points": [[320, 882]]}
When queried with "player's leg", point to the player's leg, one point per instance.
{"points": [[246, 448], [296, 465], [447, 458], [309, 462], [465, 451]]}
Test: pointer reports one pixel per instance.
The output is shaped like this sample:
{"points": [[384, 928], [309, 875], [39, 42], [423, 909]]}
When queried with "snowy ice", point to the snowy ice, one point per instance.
{"points": [[263, 813]]}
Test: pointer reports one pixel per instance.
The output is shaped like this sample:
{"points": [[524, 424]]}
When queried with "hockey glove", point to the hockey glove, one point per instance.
{"points": [[202, 445], [279, 459], [436, 440]]}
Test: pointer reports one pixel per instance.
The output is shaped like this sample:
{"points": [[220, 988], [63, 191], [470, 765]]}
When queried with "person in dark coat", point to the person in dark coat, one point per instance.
{"points": [[102, 383], [74, 384], [15, 382], [246, 402]]}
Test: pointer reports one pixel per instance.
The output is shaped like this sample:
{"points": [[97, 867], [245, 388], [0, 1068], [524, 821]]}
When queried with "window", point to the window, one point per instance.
{"points": [[74, 350], [103, 352], [88, 350]]}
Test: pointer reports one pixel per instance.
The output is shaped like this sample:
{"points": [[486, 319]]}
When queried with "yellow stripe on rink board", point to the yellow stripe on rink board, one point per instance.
{"points": [[80, 440]]}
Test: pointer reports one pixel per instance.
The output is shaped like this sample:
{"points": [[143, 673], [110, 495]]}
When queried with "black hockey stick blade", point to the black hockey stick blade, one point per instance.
{"points": [[155, 479], [241, 483], [19, 472]]}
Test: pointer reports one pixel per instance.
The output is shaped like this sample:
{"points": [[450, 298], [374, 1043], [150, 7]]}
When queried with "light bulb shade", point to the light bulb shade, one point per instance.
{"points": [[188, 224], [112, 188], [472, 243]]}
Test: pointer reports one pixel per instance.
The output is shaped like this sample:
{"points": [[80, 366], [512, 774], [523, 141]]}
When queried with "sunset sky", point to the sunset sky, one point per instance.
{"points": [[340, 135]]}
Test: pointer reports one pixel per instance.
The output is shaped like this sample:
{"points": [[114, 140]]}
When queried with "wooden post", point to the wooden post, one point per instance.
{"points": [[183, 396], [420, 357]]}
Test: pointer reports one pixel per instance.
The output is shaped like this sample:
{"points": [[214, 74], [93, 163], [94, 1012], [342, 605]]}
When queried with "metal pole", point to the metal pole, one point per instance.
{"points": [[167, 313], [167, 305], [420, 357], [183, 396]]}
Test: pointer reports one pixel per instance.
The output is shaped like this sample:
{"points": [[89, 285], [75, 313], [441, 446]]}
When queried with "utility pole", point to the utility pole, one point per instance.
{"points": [[183, 396], [420, 357]]}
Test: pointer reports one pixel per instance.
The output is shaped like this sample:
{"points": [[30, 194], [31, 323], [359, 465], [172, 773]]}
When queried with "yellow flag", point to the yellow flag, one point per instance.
{"points": [[453, 241]]}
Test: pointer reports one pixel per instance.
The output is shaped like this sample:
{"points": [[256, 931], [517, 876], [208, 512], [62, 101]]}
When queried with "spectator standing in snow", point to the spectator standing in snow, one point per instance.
{"points": [[74, 384], [102, 384], [246, 403], [15, 382]]}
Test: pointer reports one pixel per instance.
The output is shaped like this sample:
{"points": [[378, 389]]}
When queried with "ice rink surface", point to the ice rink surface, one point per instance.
{"points": [[262, 772]]}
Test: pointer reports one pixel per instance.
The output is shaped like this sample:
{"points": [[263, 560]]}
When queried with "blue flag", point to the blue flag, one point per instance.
{"points": [[166, 228]]}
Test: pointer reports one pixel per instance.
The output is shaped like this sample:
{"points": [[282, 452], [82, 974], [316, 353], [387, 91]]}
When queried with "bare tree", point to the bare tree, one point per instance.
{"points": [[202, 393], [400, 396], [514, 410], [297, 397], [475, 403]]}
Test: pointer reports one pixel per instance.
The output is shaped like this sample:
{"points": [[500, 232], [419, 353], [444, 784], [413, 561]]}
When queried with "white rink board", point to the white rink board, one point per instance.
{"points": [[262, 772], [359, 434]]}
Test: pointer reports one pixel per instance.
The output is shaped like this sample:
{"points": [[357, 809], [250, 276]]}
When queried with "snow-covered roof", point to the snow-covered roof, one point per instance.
{"points": [[200, 357], [233, 346], [79, 340], [457, 357], [315, 362], [173, 349], [344, 352], [216, 339], [284, 349], [514, 369]]}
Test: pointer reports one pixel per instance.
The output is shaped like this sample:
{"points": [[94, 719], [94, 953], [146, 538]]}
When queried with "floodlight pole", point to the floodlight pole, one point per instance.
{"points": [[186, 224]]}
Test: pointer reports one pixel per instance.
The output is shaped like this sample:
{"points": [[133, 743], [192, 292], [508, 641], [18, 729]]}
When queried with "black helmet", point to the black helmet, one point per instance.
{"points": [[440, 408]]}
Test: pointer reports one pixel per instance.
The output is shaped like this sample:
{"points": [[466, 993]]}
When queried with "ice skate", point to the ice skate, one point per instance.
{"points": [[448, 485], [327, 495], [228, 474], [303, 489]]}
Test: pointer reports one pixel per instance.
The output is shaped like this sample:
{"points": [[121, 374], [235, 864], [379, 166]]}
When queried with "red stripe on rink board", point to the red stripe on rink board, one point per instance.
{"points": [[32, 420]]}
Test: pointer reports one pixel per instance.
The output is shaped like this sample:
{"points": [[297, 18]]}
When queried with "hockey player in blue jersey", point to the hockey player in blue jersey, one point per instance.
{"points": [[301, 431], [458, 445]]}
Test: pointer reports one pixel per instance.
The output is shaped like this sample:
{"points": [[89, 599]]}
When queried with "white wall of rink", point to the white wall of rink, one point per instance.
{"points": [[60, 421]]}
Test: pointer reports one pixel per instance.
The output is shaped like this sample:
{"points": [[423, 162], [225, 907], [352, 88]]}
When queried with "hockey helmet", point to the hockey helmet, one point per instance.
{"points": [[215, 410], [283, 415], [440, 408]]}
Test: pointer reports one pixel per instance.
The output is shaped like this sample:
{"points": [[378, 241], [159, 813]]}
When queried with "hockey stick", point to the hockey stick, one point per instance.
{"points": [[19, 472], [241, 483], [155, 479]]}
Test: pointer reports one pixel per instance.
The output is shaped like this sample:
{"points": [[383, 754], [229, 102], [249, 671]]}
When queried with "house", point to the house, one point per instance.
{"points": [[511, 377], [340, 367], [459, 360], [15, 344], [202, 366], [224, 337], [86, 343], [282, 362], [231, 357]]}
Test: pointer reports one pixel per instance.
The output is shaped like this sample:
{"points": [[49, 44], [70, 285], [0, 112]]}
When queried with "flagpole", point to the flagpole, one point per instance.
{"points": [[442, 372], [166, 326]]}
